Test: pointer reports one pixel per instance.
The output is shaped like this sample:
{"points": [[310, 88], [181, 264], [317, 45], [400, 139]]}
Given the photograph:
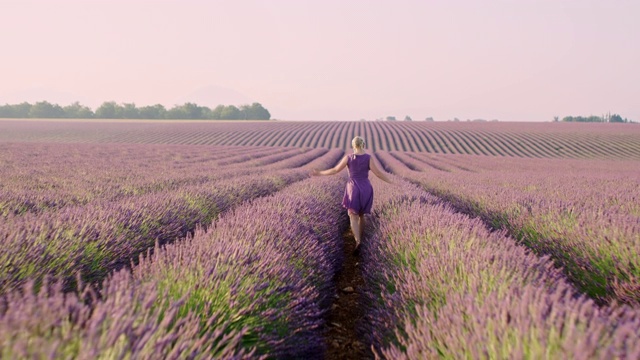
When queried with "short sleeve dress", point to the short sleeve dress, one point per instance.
{"points": [[358, 195]]}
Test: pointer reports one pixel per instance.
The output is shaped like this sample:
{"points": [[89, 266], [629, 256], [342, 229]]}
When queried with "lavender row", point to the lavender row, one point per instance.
{"points": [[243, 288], [291, 158], [43, 177], [130, 320], [584, 214], [95, 239], [441, 285], [567, 140], [258, 157]]}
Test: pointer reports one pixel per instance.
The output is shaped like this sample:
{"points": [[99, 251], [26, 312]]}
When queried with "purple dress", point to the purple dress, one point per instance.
{"points": [[358, 196]]}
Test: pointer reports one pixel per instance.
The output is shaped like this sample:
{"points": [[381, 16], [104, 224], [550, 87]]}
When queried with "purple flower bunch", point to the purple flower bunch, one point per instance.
{"points": [[583, 213], [45, 177], [257, 282], [442, 285], [110, 231]]}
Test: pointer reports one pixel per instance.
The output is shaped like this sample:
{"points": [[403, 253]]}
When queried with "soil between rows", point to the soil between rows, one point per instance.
{"points": [[342, 338]]}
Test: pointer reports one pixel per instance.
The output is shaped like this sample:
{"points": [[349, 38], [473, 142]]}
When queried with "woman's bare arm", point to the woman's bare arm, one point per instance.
{"points": [[374, 169], [334, 170]]}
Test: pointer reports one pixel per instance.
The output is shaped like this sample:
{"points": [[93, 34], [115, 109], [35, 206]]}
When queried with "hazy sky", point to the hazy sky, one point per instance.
{"points": [[518, 60]]}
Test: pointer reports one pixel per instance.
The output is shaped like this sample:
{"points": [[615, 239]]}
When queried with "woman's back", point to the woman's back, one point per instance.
{"points": [[358, 166]]}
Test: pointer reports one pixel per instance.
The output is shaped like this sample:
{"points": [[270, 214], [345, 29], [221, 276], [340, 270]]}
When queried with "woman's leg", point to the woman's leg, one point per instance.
{"points": [[355, 227], [361, 225]]}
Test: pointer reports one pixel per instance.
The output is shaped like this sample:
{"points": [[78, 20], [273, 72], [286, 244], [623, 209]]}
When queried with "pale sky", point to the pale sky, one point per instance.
{"points": [[518, 60]]}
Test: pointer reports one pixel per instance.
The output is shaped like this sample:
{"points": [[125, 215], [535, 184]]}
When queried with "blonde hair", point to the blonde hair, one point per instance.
{"points": [[358, 142]]}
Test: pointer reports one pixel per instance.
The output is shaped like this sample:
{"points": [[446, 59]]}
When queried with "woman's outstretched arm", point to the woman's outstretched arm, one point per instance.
{"points": [[334, 170], [374, 169]]}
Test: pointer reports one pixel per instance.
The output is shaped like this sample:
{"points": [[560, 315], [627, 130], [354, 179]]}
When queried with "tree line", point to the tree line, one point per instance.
{"points": [[113, 110], [608, 118]]}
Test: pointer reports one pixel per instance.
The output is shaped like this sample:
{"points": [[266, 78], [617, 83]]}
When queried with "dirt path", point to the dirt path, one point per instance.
{"points": [[342, 338]]}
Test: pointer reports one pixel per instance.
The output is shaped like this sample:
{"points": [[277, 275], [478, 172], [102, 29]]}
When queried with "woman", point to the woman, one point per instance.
{"points": [[358, 196]]}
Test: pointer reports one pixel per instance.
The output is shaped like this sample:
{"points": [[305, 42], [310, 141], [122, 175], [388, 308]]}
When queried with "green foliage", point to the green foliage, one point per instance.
{"points": [[108, 110], [153, 112], [15, 111], [591, 118], [77, 111], [255, 111], [230, 113], [188, 111], [615, 118], [44, 109], [113, 110]]}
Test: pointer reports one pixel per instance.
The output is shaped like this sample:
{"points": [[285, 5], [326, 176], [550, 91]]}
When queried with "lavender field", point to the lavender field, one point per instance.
{"points": [[535, 140], [200, 240]]}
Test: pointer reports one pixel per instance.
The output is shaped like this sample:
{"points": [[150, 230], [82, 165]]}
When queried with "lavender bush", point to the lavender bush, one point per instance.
{"points": [[440, 285], [584, 214], [244, 286], [104, 235], [41, 177], [133, 320]]}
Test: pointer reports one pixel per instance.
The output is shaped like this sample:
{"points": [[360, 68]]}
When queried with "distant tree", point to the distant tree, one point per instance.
{"points": [[230, 113], [189, 111], [615, 118], [254, 111], [207, 113], [44, 109], [129, 111], [6, 111], [77, 111], [108, 110], [112, 110], [391, 118], [260, 112], [176, 112], [153, 112], [22, 109], [216, 113], [408, 118], [456, 119], [429, 119], [195, 111], [591, 118], [556, 119], [15, 111]]}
